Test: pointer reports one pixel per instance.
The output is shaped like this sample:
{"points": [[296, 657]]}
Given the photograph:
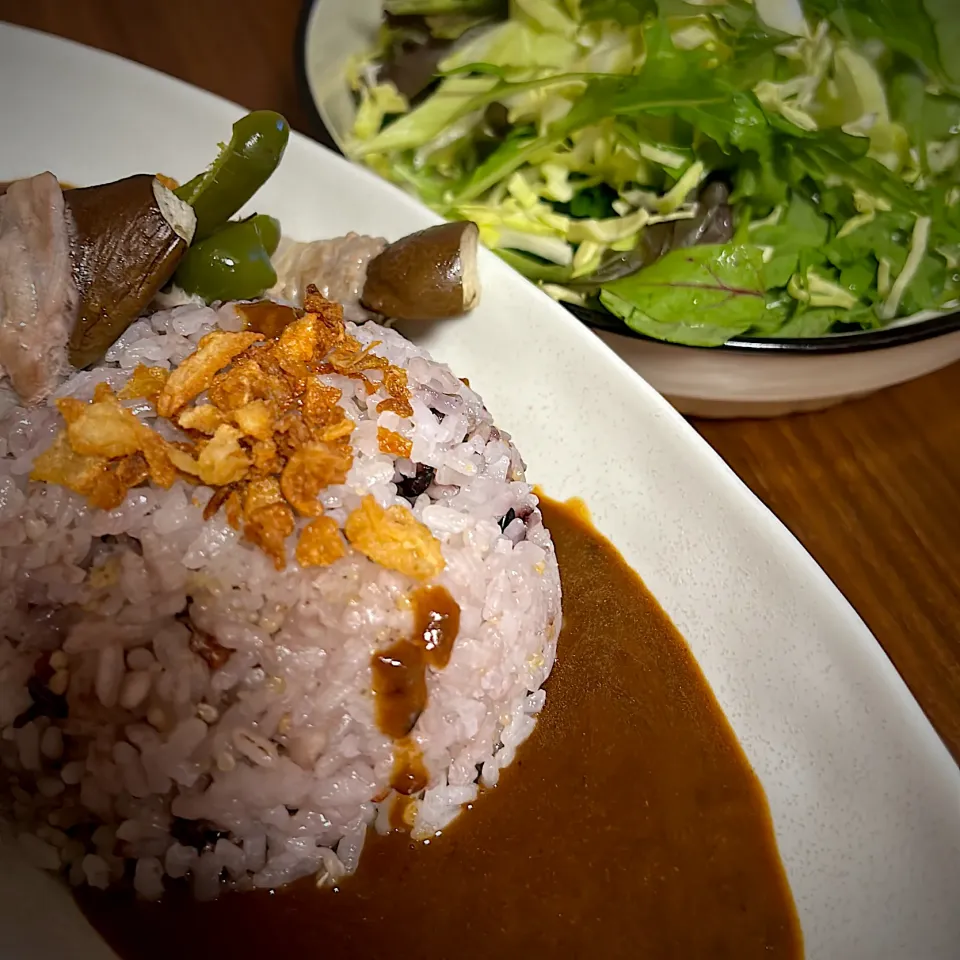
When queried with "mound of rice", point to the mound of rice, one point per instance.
{"points": [[131, 753]]}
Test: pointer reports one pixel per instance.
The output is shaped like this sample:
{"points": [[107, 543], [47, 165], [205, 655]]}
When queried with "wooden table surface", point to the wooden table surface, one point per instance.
{"points": [[871, 488]]}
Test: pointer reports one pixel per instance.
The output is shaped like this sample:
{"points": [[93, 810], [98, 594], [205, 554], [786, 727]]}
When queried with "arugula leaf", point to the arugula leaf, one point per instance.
{"points": [[778, 310], [940, 117], [762, 182], [946, 28], [778, 270], [700, 295], [833, 157], [739, 121], [801, 230], [925, 116], [926, 31], [615, 95], [885, 237], [811, 323], [605, 95], [692, 332], [669, 78], [801, 226], [860, 279], [926, 289], [753, 58]]}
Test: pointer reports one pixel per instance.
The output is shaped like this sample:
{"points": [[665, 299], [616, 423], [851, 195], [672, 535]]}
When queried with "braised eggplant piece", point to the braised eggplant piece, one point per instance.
{"points": [[127, 239], [78, 266], [430, 275]]}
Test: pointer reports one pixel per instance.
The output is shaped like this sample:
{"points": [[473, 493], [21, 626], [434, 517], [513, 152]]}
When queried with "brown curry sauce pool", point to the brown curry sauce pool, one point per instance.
{"points": [[629, 825]]}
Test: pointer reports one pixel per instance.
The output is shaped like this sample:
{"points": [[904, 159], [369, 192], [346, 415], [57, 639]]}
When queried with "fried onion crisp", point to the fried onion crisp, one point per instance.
{"points": [[310, 469], [395, 539], [223, 461], [350, 358], [61, 464], [247, 380], [255, 419], [329, 314], [297, 345], [267, 435], [233, 508], [196, 373], [320, 543], [319, 404], [265, 458], [216, 502], [206, 646], [101, 429], [108, 492], [395, 383], [184, 462], [102, 482], [268, 527], [204, 418], [132, 471], [261, 493], [145, 383], [105, 428], [156, 450], [393, 443], [336, 431]]}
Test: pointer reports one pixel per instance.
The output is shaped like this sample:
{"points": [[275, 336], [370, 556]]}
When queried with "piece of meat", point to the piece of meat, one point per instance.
{"points": [[38, 298], [337, 267]]}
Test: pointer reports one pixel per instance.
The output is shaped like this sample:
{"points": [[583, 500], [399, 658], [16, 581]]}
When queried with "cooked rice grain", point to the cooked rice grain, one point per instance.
{"points": [[172, 706]]}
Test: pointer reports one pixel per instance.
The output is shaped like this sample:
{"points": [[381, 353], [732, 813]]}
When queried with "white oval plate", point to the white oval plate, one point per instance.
{"points": [[719, 383], [864, 797]]}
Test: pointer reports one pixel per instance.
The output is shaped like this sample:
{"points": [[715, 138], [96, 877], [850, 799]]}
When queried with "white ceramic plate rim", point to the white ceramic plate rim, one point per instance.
{"points": [[864, 796]]}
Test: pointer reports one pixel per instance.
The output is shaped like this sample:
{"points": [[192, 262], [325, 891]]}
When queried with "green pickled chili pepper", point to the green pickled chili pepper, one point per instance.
{"points": [[241, 168], [233, 264]]}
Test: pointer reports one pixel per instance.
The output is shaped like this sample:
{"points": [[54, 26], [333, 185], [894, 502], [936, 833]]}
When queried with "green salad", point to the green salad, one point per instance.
{"points": [[701, 170]]}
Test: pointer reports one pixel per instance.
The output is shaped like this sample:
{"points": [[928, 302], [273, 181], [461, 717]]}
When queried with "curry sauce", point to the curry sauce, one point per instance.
{"points": [[399, 675], [629, 825]]}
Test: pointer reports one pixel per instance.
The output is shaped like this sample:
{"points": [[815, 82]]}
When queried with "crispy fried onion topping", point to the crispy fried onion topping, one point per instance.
{"points": [[262, 430]]}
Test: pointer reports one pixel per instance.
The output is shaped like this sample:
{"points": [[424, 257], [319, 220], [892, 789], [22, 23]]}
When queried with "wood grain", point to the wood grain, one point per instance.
{"points": [[872, 488]]}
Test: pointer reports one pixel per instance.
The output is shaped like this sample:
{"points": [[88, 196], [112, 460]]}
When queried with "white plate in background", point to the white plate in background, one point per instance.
{"points": [[865, 798]]}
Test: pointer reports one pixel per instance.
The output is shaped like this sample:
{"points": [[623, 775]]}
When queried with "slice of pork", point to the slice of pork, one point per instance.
{"points": [[337, 267], [38, 298]]}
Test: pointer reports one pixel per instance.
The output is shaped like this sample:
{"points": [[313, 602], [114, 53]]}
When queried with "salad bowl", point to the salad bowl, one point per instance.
{"points": [[745, 375]]}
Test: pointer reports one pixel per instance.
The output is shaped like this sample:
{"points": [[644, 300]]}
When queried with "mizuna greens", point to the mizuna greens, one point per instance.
{"points": [[701, 170]]}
